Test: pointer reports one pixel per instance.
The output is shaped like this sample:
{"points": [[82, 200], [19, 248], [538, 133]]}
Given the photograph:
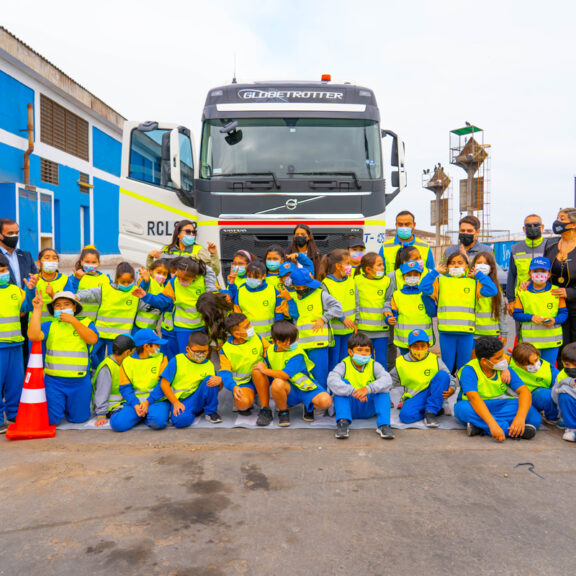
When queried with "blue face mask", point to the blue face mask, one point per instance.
{"points": [[58, 313], [125, 288], [404, 233], [5, 278], [360, 360], [239, 269], [188, 240], [293, 346], [273, 265], [379, 273], [253, 282]]}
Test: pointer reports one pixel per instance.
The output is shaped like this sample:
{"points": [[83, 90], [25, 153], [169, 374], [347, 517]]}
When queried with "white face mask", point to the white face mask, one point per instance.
{"points": [[250, 333], [49, 266], [456, 272], [412, 280], [499, 366], [533, 368], [484, 268]]}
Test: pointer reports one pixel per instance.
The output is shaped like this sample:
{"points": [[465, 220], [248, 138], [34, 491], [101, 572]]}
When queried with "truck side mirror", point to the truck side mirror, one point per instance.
{"points": [[398, 177]]}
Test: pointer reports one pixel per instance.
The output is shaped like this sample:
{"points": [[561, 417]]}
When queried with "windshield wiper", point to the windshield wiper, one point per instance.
{"points": [[233, 175], [352, 175]]}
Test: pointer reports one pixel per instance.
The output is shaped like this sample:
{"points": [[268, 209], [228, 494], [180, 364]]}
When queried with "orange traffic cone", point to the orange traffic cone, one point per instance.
{"points": [[32, 418]]}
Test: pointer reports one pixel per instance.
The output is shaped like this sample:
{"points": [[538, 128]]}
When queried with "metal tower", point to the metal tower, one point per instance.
{"points": [[438, 181]]}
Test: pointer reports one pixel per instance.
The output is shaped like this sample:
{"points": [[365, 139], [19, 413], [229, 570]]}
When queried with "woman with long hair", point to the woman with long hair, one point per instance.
{"points": [[303, 250]]}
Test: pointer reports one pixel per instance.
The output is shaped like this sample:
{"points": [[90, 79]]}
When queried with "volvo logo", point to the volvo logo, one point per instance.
{"points": [[291, 204]]}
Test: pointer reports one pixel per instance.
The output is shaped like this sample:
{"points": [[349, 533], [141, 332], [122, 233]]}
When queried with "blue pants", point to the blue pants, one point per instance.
{"points": [[349, 408], [126, 418], [297, 396], [68, 398], [542, 401], [456, 349], [339, 351], [549, 354], [567, 406], [428, 400], [503, 410], [204, 398], [171, 349], [100, 350], [380, 354], [11, 380], [320, 371]]}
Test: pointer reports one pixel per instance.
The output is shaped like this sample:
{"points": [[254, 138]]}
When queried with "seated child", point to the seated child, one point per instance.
{"points": [[564, 391], [290, 369], [486, 405], [426, 380], [361, 389]]}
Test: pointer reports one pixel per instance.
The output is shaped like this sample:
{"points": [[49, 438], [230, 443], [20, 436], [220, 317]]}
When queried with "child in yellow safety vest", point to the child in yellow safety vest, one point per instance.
{"points": [[540, 312], [290, 370], [273, 259], [67, 359], [139, 375], [564, 391], [455, 289], [106, 379], [156, 277], [238, 357], [426, 380], [190, 384]]}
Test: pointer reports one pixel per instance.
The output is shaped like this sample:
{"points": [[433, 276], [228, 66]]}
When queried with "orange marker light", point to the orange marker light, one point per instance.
{"points": [[326, 77]]}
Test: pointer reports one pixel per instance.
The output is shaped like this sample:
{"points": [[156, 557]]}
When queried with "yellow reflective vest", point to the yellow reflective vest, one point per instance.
{"points": [[543, 304], [11, 298], [67, 354], [278, 360], [416, 376], [345, 293], [456, 304], [371, 297]]}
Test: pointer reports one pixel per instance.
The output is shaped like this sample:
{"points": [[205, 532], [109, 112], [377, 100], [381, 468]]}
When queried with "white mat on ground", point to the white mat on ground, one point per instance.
{"points": [[231, 419]]}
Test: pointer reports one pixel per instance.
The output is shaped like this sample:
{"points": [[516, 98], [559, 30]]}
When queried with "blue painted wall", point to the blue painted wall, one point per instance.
{"points": [[14, 98], [106, 207], [106, 151]]}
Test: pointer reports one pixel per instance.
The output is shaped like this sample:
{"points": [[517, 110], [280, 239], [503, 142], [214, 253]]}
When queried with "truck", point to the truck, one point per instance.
{"points": [[272, 155]]}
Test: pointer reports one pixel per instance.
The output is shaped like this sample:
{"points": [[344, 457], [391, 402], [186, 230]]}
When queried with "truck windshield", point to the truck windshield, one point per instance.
{"points": [[292, 147]]}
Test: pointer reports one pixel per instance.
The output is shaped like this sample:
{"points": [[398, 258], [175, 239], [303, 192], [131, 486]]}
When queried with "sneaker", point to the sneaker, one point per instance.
{"points": [[342, 429], [569, 435], [3, 427], [560, 424], [529, 432], [307, 416], [284, 418], [264, 417], [472, 430], [430, 420], [213, 418], [245, 412], [385, 432]]}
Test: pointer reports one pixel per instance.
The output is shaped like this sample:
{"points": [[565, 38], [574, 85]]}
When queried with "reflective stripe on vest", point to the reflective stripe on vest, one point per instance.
{"points": [[58, 286], [540, 379], [345, 293], [189, 375], [486, 324], [488, 389], [358, 379], [543, 304], [416, 376], [412, 315], [116, 313], [143, 374], [278, 361], [259, 306], [66, 353], [115, 399], [310, 309], [523, 258], [148, 317], [389, 249], [195, 249], [456, 304], [243, 357], [185, 298], [92, 281], [10, 305], [371, 298]]}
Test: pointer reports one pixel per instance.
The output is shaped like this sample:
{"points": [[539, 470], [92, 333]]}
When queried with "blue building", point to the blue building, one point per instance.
{"points": [[60, 155]]}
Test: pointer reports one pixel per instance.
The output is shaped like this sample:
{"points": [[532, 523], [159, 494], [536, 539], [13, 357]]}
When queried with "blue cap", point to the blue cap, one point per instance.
{"points": [[286, 268], [147, 336], [411, 266], [540, 263], [302, 278], [417, 336]]}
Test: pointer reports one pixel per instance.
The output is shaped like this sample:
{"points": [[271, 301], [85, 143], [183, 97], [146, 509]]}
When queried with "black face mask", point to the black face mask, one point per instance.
{"points": [[303, 293], [10, 241], [300, 241], [533, 231], [571, 372], [560, 227], [466, 239]]}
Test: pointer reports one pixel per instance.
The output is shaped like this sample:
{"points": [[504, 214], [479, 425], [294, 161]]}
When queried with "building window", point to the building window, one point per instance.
{"points": [[63, 129], [49, 171], [84, 183]]}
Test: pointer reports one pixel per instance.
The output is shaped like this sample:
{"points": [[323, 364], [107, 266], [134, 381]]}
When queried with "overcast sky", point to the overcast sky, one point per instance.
{"points": [[507, 66]]}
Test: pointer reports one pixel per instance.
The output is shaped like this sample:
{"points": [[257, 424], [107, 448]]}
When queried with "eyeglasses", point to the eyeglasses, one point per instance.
{"points": [[189, 231]]}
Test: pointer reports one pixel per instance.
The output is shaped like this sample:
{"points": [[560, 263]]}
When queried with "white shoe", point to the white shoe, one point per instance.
{"points": [[569, 435]]}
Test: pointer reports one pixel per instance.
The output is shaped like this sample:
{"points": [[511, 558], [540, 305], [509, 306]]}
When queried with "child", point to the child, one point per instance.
{"points": [[139, 375], [361, 389], [117, 309], [190, 384], [86, 276], [426, 380], [167, 322], [289, 368], [486, 405], [312, 311], [274, 257], [106, 379], [490, 312], [336, 271], [238, 357], [539, 376], [50, 280], [540, 312], [371, 285], [237, 275], [356, 249], [67, 359], [156, 277], [456, 291], [409, 308], [564, 391], [258, 300]]}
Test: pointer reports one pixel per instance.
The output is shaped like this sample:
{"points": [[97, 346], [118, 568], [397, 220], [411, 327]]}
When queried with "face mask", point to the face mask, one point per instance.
{"points": [[58, 313], [558, 228], [412, 280], [253, 282], [361, 360], [419, 354], [185, 284], [50, 267], [484, 268], [198, 357], [533, 231], [159, 279], [10, 241], [357, 255], [89, 268], [239, 269], [155, 354], [250, 333], [125, 288], [456, 272], [293, 346], [304, 292], [287, 281], [188, 240], [300, 241], [5, 278], [539, 277], [272, 265], [404, 232], [466, 239], [347, 270], [499, 366], [379, 273], [571, 372], [533, 368]]}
